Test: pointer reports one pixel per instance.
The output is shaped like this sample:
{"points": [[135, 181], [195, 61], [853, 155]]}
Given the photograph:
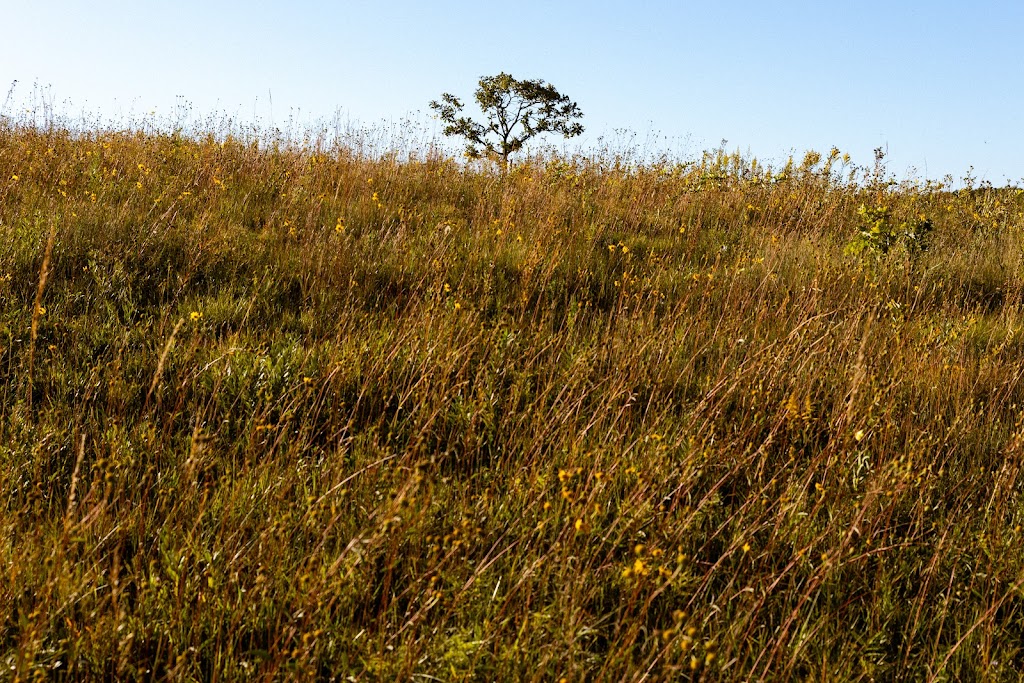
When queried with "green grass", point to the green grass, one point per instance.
{"points": [[293, 412]]}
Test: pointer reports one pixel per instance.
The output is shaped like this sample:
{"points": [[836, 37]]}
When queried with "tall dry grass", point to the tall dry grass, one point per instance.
{"points": [[289, 411]]}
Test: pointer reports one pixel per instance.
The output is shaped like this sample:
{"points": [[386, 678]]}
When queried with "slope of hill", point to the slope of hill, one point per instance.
{"points": [[290, 412]]}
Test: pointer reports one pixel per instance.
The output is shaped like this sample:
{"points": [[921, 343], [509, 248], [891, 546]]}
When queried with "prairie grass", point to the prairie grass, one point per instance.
{"points": [[292, 412]]}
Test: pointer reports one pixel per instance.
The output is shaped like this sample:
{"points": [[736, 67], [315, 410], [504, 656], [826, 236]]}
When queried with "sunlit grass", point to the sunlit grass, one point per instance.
{"points": [[292, 411]]}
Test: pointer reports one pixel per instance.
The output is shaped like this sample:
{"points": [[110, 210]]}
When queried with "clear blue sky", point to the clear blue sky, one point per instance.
{"points": [[940, 83]]}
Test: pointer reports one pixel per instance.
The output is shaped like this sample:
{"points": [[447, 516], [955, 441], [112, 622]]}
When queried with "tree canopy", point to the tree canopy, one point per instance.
{"points": [[516, 112]]}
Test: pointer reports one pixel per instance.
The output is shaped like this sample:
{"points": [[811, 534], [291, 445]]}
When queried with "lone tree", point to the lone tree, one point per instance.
{"points": [[516, 111]]}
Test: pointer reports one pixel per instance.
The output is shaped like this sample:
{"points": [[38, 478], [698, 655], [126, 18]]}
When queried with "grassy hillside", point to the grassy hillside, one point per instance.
{"points": [[292, 412]]}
